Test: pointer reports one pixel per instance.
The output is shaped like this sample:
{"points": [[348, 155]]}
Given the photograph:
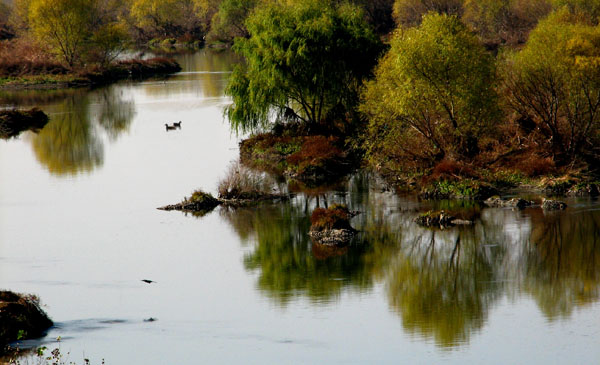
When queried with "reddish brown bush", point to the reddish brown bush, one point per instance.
{"points": [[315, 150], [20, 57], [536, 165], [335, 217], [448, 168]]}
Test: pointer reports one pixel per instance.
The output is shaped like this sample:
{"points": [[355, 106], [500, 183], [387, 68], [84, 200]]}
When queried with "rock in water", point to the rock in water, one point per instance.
{"points": [[331, 226], [21, 318], [549, 204], [332, 237], [518, 203]]}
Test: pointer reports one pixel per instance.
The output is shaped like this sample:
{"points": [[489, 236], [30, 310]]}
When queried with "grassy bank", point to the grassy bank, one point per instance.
{"points": [[30, 75], [316, 161]]}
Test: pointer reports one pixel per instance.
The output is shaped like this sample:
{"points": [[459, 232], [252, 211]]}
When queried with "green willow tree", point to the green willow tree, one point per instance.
{"points": [[306, 61], [433, 95]]}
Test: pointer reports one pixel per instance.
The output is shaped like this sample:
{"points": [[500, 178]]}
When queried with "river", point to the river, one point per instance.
{"points": [[80, 229]]}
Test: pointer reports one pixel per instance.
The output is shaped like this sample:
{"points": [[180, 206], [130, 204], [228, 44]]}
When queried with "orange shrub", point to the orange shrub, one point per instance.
{"points": [[335, 217], [316, 151]]}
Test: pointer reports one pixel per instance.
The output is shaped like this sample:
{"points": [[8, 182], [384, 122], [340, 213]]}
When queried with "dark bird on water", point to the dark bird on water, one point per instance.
{"points": [[148, 281], [169, 128], [177, 124]]}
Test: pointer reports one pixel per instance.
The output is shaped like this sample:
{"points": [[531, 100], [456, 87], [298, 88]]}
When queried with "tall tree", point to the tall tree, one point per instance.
{"points": [[63, 24], [305, 60], [433, 94], [167, 18], [504, 21], [555, 83]]}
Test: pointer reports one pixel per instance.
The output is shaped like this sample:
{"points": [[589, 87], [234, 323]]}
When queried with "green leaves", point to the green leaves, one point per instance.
{"points": [[433, 90], [307, 57], [555, 81]]}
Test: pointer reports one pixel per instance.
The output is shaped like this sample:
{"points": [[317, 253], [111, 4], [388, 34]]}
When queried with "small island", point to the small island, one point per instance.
{"points": [[331, 226], [21, 318], [13, 121]]}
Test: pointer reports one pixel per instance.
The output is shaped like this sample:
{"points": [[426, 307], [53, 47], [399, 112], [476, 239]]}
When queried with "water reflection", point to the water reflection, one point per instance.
{"points": [[443, 284], [68, 144], [83, 120], [71, 142], [288, 262], [205, 74], [562, 257], [116, 113]]}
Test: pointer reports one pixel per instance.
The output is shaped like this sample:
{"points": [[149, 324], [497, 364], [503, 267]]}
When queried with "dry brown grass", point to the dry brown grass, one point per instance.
{"points": [[22, 56], [240, 182]]}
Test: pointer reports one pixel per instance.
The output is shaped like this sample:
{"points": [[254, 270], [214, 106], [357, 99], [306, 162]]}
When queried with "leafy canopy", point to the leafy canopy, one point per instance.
{"points": [[77, 31], [555, 82], [63, 24], [433, 93], [305, 61]]}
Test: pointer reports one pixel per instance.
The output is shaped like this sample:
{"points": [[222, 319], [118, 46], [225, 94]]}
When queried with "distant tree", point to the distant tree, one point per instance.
{"points": [[305, 60], [107, 42], [78, 31], [410, 12], [504, 21], [554, 82], [167, 18], [229, 21], [5, 28], [588, 10], [433, 94], [19, 16], [206, 10], [63, 24]]}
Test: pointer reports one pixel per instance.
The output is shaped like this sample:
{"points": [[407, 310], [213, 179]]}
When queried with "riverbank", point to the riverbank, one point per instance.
{"points": [[316, 160], [23, 77]]}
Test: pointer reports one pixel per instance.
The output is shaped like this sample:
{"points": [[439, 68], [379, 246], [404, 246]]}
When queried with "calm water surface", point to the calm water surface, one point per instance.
{"points": [[78, 227]]}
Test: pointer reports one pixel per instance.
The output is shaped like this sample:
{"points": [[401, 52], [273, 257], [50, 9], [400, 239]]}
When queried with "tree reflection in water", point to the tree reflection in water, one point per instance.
{"points": [[562, 257], [70, 143], [442, 283], [283, 255], [115, 114]]}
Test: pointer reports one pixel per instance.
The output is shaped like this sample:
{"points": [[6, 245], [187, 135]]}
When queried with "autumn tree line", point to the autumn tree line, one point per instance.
{"points": [[452, 85], [458, 88]]}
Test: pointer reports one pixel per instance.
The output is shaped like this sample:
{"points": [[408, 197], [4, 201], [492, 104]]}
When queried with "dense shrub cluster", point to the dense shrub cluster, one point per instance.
{"points": [[441, 104]]}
